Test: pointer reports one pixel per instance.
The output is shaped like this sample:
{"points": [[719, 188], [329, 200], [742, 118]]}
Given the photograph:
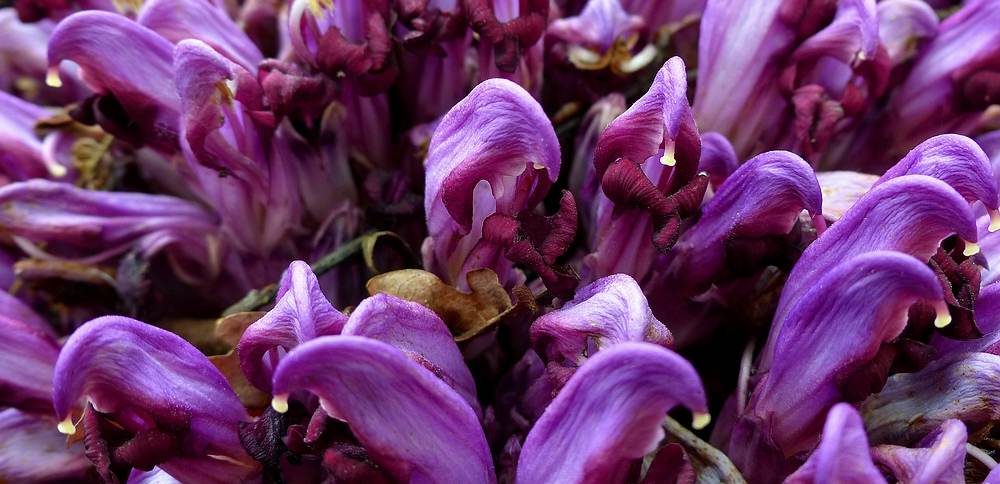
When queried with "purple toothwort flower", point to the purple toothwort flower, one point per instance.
{"points": [[152, 399], [623, 393], [495, 152], [842, 454]]}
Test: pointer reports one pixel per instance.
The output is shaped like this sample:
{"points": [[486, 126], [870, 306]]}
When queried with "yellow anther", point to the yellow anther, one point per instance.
{"points": [[66, 426], [668, 156], [994, 219], [971, 249], [52, 78], [701, 420], [943, 319], [280, 403]]}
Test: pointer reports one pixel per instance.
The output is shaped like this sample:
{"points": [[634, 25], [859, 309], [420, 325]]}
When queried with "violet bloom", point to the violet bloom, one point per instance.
{"points": [[842, 454], [152, 399], [510, 34], [647, 161], [758, 61], [603, 36], [494, 154], [832, 334], [21, 152], [940, 456]]}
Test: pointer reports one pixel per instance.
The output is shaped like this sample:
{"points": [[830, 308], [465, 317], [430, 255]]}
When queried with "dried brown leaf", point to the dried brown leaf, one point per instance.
{"points": [[253, 399], [229, 329], [467, 315]]}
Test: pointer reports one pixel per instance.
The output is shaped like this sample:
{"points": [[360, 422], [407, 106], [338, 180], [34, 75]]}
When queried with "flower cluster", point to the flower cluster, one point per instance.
{"points": [[776, 222]]}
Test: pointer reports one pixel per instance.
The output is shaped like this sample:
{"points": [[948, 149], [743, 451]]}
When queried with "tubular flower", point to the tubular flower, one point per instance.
{"points": [[842, 454]]}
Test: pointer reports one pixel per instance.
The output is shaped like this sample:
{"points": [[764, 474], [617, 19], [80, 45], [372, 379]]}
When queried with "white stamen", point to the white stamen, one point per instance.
{"points": [[701, 420], [280, 403], [52, 78], [943, 317], [994, 219], [971, 249], [668, 156], [66, 426]]}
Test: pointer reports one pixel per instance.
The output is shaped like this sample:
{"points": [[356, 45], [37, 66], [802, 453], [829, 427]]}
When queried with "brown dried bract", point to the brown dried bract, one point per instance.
{"points": [[467, 315], [229, 330]]}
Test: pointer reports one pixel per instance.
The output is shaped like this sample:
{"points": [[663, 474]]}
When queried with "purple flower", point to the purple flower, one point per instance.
{"points": [[152, 400], [833, 332], [29, 357], [422, 430], [939, 458], [494, 152], [34, 451], [618, 398], [603, 36], [842, 454]]}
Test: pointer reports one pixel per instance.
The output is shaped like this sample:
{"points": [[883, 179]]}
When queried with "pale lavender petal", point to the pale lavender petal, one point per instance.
{"points": [[34, 451], [609, 414], [909, 214], [411, 423], [301, 313], [583, 181], [842, 455], [147, 378], [835, 330], [177, 20], [939, 459], [718, 158], [20, 148], [420, 334], [913, 405], [155, 476], [903, 25]]}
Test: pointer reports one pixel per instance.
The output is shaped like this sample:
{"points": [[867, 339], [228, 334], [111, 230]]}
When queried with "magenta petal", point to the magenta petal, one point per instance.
{"points": [[660, 119], [909, 214], [497, 134], [34, 451], [120, 57], [609, 414], [301, 313], [842, 456], [28, 357], [939, 459], [851, 37], [177, 20], [410, 422], [835, 329], [598, 26], [148, 377], [20, 149], [608, 312], [912, 405], [420, 334], [955, 160]]}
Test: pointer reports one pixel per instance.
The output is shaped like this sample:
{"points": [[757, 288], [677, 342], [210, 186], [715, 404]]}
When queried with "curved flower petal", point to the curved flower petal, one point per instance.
{"points": [[610, 311], [609, 414], [177, 20], [902, 24], [34, 451], [122, 58], [20, 149], [912, 405], [159, 388], [718, 158], [28, 357], [420, 334], [939, 459], [842, 455], [411, 423], [955, 160], [497, 135], [909, 214], [660, 120], [301, 313], [835, 330]]}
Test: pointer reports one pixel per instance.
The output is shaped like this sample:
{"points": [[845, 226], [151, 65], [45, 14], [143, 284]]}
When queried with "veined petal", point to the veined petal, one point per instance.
{"points": [[851, 37], [902, 25], [955, 160], [909, 214], [301, 313], [835, 330], [420, 334], [660, 119], [34, 451], [763, 197], [498, 135], [177, 20], [583, 180], [912, 405], [610, 311], [153, 383], [20, 149], [44, 211], [608, 414], [28, 357], [842, 455], [122, 58], [410, 422], [939, 459]]}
